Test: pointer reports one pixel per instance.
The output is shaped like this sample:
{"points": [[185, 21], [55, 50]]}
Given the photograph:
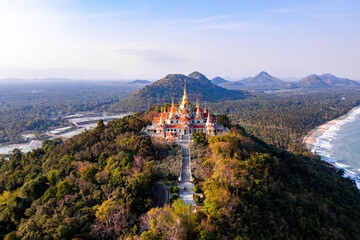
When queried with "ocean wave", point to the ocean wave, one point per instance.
{"points": [[324, 146], [342, 165]]}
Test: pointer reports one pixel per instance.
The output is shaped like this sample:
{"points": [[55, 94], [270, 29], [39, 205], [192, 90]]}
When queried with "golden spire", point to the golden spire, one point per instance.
{"points": [[197, 103], [172, 103], [198, 114], [208, 121], [161, 122], [185, 87], [172, 113], [205, 111], [185, 99]]}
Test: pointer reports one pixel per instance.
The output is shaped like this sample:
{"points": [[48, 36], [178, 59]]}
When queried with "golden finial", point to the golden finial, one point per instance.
{"points": [[184, 102], [208, 121], [198, 114], [185, 86]]}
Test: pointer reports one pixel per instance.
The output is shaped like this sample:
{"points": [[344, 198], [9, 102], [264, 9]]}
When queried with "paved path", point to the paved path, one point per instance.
{"points": [[160, 194], [186, 187]]}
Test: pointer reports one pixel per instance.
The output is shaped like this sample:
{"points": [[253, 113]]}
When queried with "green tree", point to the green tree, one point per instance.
{"points": [[63, 189], [224, 120], [200, 138]]}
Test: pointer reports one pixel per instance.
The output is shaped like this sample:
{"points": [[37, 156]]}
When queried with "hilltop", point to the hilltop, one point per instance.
{"points": [[219, 80], [97, 185], [172, 87], [261, 81]]}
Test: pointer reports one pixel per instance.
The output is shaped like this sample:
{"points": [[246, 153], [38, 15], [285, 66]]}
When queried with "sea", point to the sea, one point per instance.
{"points": [[340, 145]]}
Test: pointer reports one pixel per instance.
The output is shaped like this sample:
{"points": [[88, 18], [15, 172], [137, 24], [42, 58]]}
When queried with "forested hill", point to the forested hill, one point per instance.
{"points": [[97, 185], [172, 86]]}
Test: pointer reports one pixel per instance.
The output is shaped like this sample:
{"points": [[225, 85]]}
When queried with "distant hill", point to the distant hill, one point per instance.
{"points": [[142, 82], [172, 86], [264, 81], [326, 81], [338, 82], [219, 80], [261, 81], [232, 85], [313, 81]]}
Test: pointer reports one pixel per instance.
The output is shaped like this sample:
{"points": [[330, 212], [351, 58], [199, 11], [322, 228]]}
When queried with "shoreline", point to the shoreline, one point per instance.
{"points": [[316, 132]]}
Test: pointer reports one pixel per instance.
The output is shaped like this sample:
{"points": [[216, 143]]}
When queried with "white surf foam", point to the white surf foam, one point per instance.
{"points": [[323, 145]]}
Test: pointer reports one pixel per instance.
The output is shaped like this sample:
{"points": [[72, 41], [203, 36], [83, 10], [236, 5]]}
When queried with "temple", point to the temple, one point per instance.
{"points": [[183, 120]]}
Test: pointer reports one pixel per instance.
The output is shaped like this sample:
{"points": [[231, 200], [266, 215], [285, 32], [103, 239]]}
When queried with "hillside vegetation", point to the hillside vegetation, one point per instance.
{"points": [[97, 185]]}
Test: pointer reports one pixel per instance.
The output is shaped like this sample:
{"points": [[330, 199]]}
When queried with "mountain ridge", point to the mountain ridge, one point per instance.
{"points": [[171, 87], [264, 81], [218, 80], [138, 81]]}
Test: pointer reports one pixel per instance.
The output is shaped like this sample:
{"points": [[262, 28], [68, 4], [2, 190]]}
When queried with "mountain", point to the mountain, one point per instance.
{"points": [[262, 81], [219, 80], [334, 81], [172, 86], [142, 82], [265, 80], [313, 81], [326, 81], [232, 85]]}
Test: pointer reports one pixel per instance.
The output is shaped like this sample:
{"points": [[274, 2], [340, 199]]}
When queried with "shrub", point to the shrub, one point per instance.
{"points": [[174, 198], [10, 236], [200, 138], [197, 189], [175, 189], [196, 198]]}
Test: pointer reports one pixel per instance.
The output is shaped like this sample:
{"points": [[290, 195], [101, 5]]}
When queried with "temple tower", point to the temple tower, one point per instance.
{"points": [[185, 101]]}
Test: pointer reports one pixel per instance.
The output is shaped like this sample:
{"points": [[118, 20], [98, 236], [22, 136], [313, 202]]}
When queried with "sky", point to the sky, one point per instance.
{"points": [[87, 39]]}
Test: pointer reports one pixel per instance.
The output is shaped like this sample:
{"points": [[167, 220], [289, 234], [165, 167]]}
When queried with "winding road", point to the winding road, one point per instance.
{"points": [[160, 194]]}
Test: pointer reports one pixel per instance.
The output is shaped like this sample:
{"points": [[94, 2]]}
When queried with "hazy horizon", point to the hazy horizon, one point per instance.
{"points": [[117, 40], [45, 77]]}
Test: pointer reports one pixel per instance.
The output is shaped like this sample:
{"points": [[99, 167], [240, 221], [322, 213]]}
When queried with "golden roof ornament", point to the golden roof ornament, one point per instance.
{"points": [[208, 121], [172, 113], [185, 99], [198, 114], [161, 122], [184, 112]]}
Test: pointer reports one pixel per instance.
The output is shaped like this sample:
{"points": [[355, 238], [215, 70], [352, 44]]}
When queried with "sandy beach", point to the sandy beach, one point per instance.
{"points": [[310, 138]]}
